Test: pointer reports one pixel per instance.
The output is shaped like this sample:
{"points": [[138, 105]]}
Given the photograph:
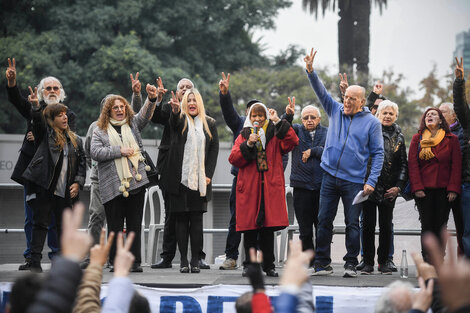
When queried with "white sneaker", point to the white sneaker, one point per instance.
{"points": [[229, 264]]}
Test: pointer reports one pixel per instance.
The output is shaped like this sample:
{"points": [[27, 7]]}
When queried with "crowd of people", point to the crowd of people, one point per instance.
{"points": [[361, 154]]}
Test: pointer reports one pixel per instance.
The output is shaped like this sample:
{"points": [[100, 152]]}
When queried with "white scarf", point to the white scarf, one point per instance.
{"points": [[261, 132], [122, 165], [193, 173]]}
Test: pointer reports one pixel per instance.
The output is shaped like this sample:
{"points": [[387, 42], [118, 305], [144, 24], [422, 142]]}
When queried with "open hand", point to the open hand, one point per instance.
{"points": [[175, 104], [33, 96], [224, 83], [290, 108], [343, 83], [11, 72], [458, 68], [160, 89], [136, 85], [309, 61]]}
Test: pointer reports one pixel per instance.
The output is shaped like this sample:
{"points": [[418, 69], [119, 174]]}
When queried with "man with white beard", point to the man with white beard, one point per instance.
{"points": [[50, 91]]}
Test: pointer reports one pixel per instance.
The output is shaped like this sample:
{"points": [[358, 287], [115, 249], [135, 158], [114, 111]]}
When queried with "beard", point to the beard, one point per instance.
{"points": [[52, 99]]}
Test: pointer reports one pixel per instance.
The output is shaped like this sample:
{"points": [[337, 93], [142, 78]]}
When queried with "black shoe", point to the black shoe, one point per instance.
{"points": [[245, 272], [162, 264], [385, 269], [367, 269], [272, 273], [203, 265], [360, 266], [36, 267], [136, 268], [392, 266], [195, 269], [184, 269], [26, 266], [349, 270]]}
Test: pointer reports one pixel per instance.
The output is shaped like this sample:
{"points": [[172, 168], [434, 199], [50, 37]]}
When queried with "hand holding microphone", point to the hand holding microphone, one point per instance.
{"points": [[254, 137]]}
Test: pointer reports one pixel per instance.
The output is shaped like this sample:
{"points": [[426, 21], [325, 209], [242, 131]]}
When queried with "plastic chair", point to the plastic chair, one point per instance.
{"points": [[287, 233], [154, 229]]}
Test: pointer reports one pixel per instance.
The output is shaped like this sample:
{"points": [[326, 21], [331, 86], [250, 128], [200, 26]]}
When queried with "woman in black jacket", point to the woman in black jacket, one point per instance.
{"points": [[391, 180], [188, 172], [55, 173]]}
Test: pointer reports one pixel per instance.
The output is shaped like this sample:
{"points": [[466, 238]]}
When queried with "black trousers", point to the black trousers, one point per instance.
{"points": [[189, 226], [306, 204], [43, 206], [264, 239], [369, 215], [434, 211], [129, 209]]}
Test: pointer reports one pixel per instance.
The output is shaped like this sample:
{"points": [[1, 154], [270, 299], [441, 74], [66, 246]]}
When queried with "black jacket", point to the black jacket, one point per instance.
{"points": [[463, 114], [41, 172], [161, 116], [28, 147], [171, 173], [395, 167]]}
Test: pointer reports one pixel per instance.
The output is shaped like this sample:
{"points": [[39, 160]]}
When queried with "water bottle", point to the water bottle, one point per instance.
{"points": [[404, 265]]}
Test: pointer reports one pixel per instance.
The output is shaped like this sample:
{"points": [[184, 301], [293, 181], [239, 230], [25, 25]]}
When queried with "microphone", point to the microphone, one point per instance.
{"points": [[256, 127]]}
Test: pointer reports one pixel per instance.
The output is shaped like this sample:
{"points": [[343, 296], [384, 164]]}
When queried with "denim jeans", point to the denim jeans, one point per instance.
{"points": [[233, 237], [52, 240], [331, 191], [466, 218]]}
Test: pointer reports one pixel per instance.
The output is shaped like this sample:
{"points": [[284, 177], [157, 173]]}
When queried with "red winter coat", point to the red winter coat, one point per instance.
{"points": [[280, 139], [442, 171]]}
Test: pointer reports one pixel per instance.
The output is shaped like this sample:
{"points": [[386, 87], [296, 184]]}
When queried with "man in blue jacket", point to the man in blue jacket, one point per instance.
{"points": [[306, 174], [354, 136]]}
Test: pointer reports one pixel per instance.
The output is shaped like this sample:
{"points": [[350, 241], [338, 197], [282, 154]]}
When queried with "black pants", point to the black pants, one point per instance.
{"points": [[169, 235], [434, 211], [189, 226], [306, 204], [264, 239], [369, 214], [129, 209], [43, 206], [456, 207]]}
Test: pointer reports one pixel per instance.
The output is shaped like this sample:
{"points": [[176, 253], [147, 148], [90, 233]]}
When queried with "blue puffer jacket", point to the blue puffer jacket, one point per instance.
{"points": [[308, 175], [351, 140]]}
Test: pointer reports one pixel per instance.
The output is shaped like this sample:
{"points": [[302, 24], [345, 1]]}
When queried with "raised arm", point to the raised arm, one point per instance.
{"points": [[231, 116], [136, 100], [290, 110], [39, 121], [14, 96], [328, 103], [460, 100], [145, 114]]}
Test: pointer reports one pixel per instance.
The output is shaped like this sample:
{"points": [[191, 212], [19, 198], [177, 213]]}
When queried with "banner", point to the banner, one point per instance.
{"points": [[221, 298]]}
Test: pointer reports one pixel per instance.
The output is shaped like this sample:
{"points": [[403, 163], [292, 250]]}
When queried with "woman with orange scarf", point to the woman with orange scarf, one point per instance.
{"points": [[435, 170]]}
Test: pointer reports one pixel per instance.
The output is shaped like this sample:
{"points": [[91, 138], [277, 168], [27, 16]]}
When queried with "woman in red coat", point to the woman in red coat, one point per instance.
{"points": [[435, 170], [261, 203]]}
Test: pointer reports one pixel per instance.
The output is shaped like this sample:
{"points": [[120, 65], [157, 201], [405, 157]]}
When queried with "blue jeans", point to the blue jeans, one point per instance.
{"points": [[466, 218], [331, 191], [233, 237], [52, 240]]}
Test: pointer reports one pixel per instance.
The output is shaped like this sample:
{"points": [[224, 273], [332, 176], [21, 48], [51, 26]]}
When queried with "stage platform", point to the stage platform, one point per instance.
{"points": [[172, 278]]}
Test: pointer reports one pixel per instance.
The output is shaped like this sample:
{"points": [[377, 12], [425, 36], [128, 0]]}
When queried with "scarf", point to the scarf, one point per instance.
{"points": [[428, 142], [262, 131], [122, 164], [193, 173]]}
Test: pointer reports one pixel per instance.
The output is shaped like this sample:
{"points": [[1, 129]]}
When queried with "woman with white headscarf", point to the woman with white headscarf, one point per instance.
{"points": [[188, 171], [261, 203]]}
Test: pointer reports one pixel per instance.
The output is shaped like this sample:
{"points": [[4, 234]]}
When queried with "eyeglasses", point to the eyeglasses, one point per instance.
{"points": [[119, 108], [49, 88], [307, 117]]}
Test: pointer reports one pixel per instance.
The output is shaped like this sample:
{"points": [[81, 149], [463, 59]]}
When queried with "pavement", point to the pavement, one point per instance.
{"points": [[172, 278]]}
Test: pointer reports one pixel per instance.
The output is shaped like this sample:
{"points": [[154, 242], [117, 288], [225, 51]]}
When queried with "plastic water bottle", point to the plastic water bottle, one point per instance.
{"points": [[404, 265]]}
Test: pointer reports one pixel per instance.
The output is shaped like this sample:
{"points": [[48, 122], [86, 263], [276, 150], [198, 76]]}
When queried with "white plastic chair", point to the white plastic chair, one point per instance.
{"points": [[155, 230], [287, 233]]}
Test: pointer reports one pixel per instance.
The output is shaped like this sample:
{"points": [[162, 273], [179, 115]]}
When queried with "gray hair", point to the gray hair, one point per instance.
{"points": [[386, 104], [41, 88], [388, 302], [310, 107], [450, 105], [363, 90], [181, 80]]}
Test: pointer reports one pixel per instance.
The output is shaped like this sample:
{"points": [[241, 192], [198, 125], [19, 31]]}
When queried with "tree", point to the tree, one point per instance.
{"points": [[353, 32]]}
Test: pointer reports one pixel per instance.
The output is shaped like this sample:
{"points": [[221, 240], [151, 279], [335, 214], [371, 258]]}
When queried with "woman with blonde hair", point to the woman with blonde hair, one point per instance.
{"points": [[55, 174], [188, 172], [116, 145]]}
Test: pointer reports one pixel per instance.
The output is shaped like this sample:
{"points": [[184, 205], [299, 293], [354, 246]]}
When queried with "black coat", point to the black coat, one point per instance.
{"points": [[161, 116], [463, 114], [395, 167], [172, 168], [28, 148], [41, 172]]}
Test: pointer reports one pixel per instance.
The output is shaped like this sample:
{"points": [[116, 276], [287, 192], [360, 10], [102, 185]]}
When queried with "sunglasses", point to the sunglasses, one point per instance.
{"points": [[312, 117], [49, 88]]}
